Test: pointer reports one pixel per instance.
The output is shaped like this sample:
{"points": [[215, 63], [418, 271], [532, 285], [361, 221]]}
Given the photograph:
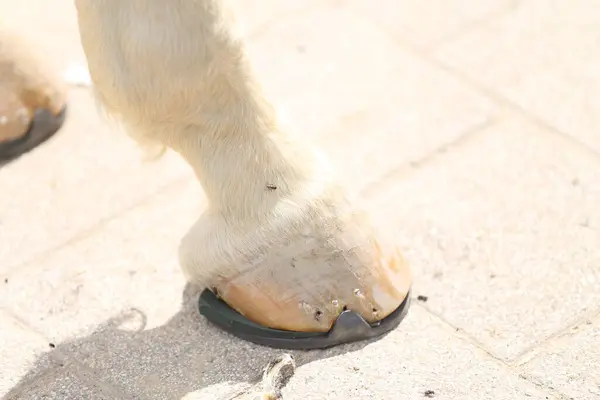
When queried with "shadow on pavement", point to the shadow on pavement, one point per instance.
{"points": [[168, 362]]}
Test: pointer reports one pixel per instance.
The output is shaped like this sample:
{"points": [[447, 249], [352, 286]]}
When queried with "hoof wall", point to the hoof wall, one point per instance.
{"points": [[349, 326]]}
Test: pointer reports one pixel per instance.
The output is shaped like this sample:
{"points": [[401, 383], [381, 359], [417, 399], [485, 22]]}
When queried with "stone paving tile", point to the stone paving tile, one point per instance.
{"points": [[426, 23], [420, 357], [120, 266], [502, 233], [88, 172], [253, 16], [571, 363], [370, 105], [65, 383], [544, 57], [21, 351]]}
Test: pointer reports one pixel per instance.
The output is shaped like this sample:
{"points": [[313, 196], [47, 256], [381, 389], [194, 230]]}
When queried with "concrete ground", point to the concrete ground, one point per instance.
{"points": [[471, 126]]}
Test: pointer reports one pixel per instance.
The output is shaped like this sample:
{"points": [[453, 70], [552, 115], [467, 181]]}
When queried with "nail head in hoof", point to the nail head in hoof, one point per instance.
{"points": [[349, 326]]}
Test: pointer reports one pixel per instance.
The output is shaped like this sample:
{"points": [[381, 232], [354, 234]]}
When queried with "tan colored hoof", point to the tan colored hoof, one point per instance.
{"points": [[32, 98], [309, 291]]}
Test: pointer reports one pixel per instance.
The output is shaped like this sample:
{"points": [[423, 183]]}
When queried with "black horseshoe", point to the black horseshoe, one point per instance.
{"points": [[349, 326]]}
